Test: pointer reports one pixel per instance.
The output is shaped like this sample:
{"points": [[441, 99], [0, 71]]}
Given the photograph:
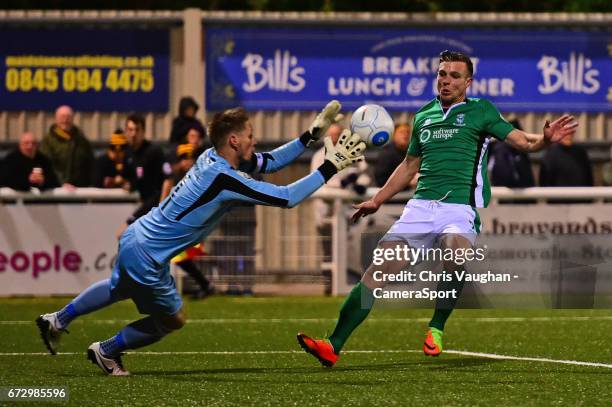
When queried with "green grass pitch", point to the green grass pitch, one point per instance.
{"points": [[242, 351]]}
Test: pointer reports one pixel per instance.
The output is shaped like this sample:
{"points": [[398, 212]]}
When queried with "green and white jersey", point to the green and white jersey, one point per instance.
{"points": [[453, 150]]}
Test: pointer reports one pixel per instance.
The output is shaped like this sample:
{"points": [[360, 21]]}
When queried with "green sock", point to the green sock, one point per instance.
{"points": [[444, 307], [439, 318], [354, 310]]}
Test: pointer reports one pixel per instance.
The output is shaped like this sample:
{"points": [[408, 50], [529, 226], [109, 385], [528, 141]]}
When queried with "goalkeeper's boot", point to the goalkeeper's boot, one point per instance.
{"points": [[433, 342], [50, 331], [112, 366], [321, 349]]}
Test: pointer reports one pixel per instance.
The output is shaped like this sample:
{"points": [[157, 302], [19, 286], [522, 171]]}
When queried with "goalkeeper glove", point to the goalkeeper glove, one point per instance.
{"points": [[329, 115], [348, 150]]}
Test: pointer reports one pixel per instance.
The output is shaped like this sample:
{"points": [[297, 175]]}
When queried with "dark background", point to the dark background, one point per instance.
{"points": [[322, 5]]}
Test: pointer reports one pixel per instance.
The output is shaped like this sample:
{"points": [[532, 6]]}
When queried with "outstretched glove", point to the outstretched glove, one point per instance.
{"points": [[348, 150], [329, 115]]}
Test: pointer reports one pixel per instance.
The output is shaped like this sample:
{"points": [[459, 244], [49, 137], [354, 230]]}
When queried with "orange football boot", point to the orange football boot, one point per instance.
{"points": [[433, 342], [321, 349]]}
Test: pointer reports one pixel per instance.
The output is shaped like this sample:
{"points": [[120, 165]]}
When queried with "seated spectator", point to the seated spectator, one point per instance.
{"points": [[69, 150], [392, 155], [185, 120], [112, 169], [509, 167], [25, 167]]}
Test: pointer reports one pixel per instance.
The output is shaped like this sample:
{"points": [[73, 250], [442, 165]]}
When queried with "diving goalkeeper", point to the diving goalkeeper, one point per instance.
{"points": [[219, 179]]}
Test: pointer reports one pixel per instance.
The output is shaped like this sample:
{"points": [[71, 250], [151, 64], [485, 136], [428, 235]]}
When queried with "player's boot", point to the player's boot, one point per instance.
{"points": [[433, 342], [321, 349], [50, 331], [112, 366]]}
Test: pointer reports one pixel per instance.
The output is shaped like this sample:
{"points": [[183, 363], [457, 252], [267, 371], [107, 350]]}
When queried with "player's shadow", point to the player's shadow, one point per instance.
{"points": [[446, 364]]}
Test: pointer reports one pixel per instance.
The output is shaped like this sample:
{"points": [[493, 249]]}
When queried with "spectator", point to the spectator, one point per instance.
{"points": [[112, 169], [509, 167], [25, 167], [146, 159], [185, 120], [195, 137], [69, 150], [392, 155], [148, 163], [185, 159], [566, 164]]}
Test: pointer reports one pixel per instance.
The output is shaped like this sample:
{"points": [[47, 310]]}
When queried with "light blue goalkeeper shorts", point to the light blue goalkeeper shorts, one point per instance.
{"points": [[137, 276]]}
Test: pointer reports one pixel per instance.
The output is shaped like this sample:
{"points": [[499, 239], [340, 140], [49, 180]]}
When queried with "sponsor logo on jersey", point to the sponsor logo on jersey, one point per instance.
{"points": [[425, 135], [437, 134]]}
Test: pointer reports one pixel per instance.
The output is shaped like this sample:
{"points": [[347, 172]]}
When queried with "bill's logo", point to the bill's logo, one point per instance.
{"points": [[574, 76], [280, 73]]}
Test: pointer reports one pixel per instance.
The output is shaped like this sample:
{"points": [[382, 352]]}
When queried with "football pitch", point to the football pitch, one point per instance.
{"points": [[242, 351]]}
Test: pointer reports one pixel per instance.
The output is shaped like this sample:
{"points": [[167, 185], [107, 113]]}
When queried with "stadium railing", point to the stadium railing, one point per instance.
{"points": [[62, 195]]}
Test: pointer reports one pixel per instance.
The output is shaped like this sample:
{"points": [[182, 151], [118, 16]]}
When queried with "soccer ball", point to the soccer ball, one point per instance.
{"points": [[373, 124]]}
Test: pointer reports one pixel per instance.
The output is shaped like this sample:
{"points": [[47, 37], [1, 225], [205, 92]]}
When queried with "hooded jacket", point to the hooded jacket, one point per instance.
{"points": [[182, 123]]}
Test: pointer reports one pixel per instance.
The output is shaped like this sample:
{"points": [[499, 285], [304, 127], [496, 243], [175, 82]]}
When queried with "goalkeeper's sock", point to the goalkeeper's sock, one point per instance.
{"points": [[93, 298], [141, 333], [112, 346], [66, 315], [354, 310]]}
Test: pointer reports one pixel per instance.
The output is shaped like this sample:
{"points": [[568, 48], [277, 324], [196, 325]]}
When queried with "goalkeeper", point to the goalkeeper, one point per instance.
{"points": [[219, 179]]}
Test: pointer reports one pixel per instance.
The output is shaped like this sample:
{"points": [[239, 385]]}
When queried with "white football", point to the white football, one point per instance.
{"points": [[373, 124]]}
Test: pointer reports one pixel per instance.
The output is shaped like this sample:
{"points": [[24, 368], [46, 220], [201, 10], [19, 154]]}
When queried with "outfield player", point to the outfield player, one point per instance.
{"points": [[448, 147], [219, 179]]}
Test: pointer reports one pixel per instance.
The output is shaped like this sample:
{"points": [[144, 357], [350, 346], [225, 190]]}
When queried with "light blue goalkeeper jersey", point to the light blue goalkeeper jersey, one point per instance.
{"points": [[209, 190]]}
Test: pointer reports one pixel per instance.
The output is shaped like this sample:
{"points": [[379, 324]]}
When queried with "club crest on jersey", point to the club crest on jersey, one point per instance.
{"points": [[460, 120], [427, 122]]}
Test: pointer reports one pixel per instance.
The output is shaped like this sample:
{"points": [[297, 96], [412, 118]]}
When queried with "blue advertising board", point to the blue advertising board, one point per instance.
{"points": [[303, 68], [88, 69]]}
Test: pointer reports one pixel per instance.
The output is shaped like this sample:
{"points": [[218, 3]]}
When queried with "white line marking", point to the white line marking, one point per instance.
{"points": [[288, 352], [315, 320], [545, 360]]}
